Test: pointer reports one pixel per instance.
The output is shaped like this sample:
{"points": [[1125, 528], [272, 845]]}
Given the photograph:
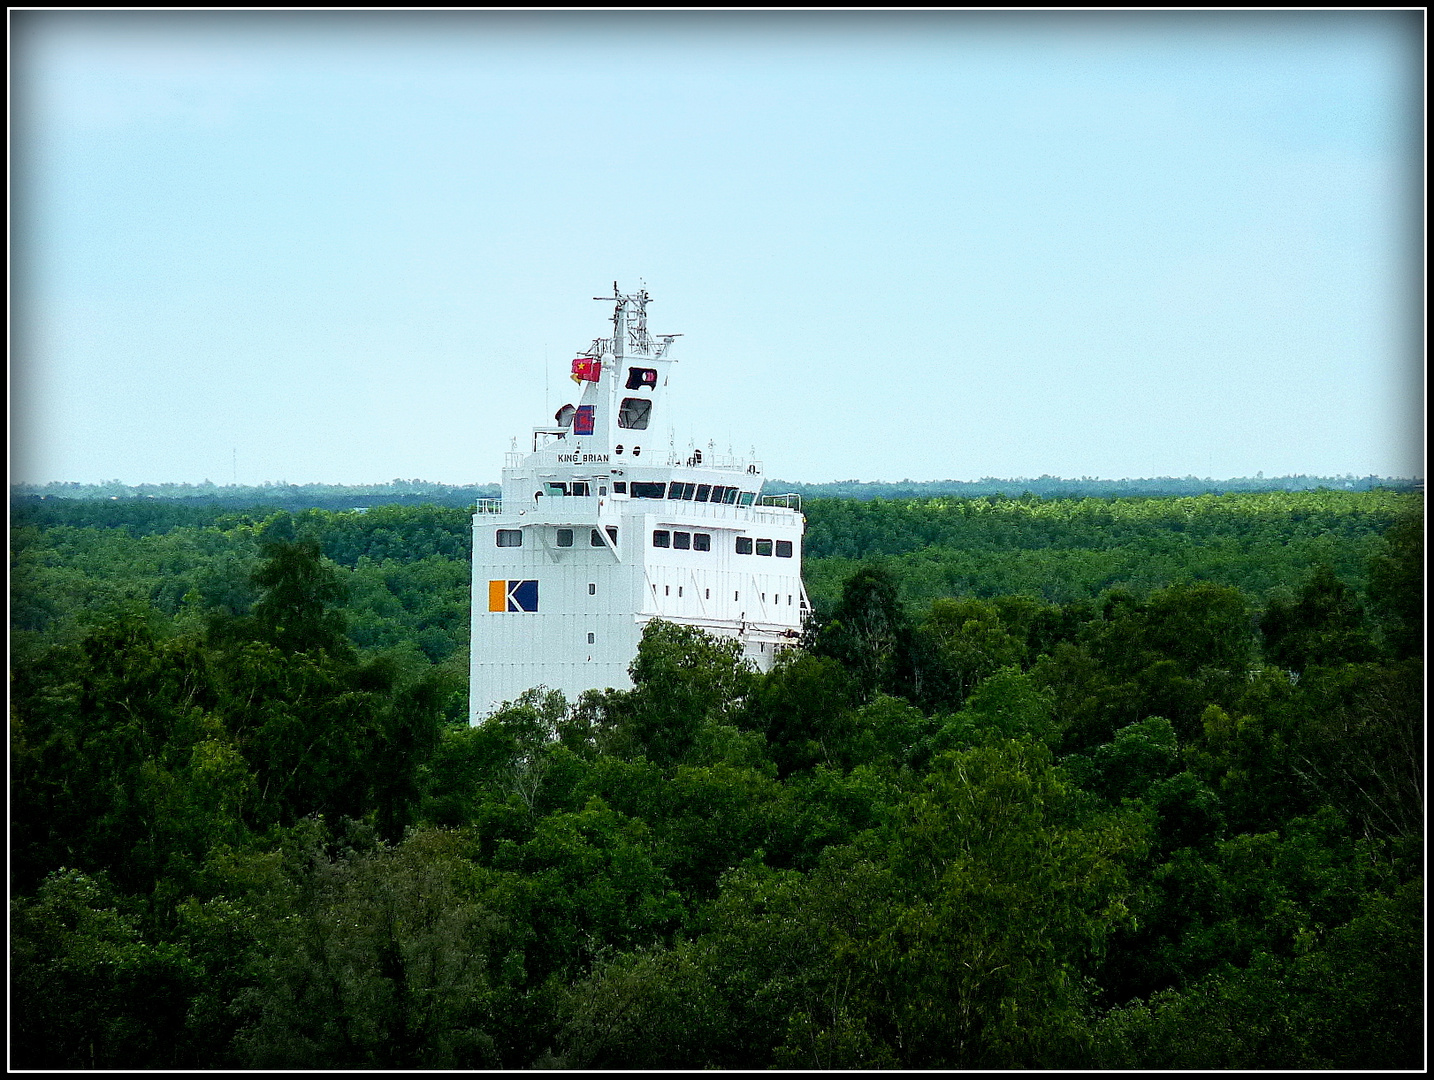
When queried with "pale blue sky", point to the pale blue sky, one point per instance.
{"points": [[346, 248]]}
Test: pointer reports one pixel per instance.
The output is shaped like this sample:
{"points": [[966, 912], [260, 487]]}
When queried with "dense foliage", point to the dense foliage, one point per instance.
{"points": [[1122, 783]]}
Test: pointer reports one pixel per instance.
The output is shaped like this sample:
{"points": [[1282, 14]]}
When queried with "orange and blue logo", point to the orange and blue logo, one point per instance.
{"points": [[512, 596]]}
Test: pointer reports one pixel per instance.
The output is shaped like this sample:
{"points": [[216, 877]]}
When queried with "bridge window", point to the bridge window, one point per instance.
{"points": [[565, 538], [619, 487], [596, 539], [764, 547], [682, 540], [648, 491], [703, 491], [784, 549], [510, 537], [701, 541], [661, 538], [744, 545], [634, 413], [747, 498]]}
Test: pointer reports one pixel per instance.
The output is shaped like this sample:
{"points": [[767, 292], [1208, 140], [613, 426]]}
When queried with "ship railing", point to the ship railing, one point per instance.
{"points": [[705, 459], [722, 511], [544, 437], [489, 506], [791, 500], [771, 515]]}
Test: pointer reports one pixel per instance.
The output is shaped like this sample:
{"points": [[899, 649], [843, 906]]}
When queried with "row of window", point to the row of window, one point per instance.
{"points": [[514, 537], [764, 547], [662, 538], [716, 493], [681, 540], [687, 492], [575, 487]]}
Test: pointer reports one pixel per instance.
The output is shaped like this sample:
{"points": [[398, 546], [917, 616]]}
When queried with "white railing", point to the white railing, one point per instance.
{"points": [[791, 500], [489, 506], [709, 460]]}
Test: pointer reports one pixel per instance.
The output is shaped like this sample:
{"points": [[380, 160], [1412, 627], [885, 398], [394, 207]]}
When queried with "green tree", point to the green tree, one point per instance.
{"points": [[1323, 626], [803, 707], [683, 680], [1005, 904], [965, 642], [88, 991], [1396, 586], [295, 611], [376, 959], [868, 631]]}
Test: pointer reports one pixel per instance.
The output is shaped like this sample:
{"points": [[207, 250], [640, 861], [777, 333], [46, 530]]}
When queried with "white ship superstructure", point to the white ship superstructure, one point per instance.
{"points": [[603, 527]]}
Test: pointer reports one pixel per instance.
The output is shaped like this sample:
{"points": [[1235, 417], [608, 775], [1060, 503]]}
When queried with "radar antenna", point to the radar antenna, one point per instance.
{"points": [[629, 327]]}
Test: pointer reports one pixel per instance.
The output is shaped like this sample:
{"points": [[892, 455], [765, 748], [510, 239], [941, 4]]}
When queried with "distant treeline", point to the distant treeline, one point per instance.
{"points": [[278, 496], [1057, 487], [281, 496]]}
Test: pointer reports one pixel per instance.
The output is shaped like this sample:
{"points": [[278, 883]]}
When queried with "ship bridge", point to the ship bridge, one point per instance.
{"points": [[601, 529]]}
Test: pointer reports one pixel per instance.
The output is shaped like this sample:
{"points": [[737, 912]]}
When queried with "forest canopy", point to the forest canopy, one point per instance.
{"points": [[1095, 782]]}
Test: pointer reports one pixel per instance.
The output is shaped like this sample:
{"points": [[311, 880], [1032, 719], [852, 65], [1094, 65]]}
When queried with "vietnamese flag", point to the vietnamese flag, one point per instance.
{"points": [[586, 370]]}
